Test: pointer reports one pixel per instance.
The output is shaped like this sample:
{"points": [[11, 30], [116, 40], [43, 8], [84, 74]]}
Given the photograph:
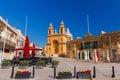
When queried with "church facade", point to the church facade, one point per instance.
{"points": [[56, 44]]}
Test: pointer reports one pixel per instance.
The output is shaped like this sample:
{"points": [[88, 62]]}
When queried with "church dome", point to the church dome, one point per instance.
{"points": [[68, 32]]}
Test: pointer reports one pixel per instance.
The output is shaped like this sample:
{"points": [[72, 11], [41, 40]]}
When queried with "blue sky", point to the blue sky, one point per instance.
{"points": [[103, 15]]}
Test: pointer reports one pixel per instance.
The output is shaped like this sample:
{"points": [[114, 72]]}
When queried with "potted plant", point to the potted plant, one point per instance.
{"points": [[24, 64], [86, 74], [5, 64], [40, 64], [64, 75], [54, 63], [25, 74]]}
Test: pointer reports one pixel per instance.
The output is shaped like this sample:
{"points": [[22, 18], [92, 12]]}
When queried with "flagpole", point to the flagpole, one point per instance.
{"points": [[26, 25], [4, 41], [88, 23]]}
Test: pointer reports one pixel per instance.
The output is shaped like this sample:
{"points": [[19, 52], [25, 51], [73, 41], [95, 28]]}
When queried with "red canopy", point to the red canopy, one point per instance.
{"points": [[19, 49], [27, 48]]}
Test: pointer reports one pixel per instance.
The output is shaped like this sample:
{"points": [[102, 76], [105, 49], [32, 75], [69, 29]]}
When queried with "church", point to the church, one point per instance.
{"points": [[56, 44]]}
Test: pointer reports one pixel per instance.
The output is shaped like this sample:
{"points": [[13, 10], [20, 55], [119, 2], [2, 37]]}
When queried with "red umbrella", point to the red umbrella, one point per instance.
{"points": [[26, 48]]}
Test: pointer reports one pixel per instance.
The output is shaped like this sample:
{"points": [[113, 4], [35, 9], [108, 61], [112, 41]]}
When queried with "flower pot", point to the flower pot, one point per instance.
{"points": [[23, 76], [23, 67], [54, 66], [39, 67], [84, 75], [64, 76], [54, 63], [5, 67]]}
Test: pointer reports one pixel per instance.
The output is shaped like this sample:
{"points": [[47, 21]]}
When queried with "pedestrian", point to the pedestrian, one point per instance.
{"points": [[108, 57], [114, 56], [98, 56], [95, 53]]}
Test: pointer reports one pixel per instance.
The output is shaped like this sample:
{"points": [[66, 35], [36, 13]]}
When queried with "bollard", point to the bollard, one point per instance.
{"points": [[33, 72], [74, 71], [12, 74], [54, 72], [113, 72], [50, 59], [94, 72]]}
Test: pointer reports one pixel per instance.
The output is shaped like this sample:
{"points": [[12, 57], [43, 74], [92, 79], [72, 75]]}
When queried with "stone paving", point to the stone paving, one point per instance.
{"points": [[103, 70]]}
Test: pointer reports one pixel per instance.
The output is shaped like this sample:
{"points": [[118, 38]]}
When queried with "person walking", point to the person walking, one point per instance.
{"points": [[108, 56], [95, 53]]}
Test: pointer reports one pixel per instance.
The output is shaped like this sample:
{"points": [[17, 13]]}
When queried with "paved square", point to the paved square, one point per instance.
{"points": [[103, 70]]}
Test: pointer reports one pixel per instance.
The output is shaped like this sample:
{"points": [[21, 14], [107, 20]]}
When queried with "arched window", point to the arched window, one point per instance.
{"points": [[61, 49], [95, 44], [49, 32], [61, 39], [55, 44], [61, 30]]}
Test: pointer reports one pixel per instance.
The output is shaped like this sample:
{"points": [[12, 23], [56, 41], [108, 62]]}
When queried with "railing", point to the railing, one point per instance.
{"points": [[8, 42]]}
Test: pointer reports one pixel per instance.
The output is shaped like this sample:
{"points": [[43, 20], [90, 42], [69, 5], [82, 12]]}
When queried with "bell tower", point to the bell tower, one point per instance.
{"points": [[50, 30], [62, 28]]}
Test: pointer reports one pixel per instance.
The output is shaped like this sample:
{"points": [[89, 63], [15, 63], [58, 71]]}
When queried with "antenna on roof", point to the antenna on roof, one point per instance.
{"points": [[26, 25], [88, 23]]}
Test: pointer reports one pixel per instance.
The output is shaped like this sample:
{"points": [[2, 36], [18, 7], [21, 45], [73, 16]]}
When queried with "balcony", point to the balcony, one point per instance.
{"points": [[8, 42]]}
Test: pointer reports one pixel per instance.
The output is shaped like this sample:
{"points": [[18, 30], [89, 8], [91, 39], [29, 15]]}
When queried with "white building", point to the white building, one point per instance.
{"points": [[10, 38]]}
